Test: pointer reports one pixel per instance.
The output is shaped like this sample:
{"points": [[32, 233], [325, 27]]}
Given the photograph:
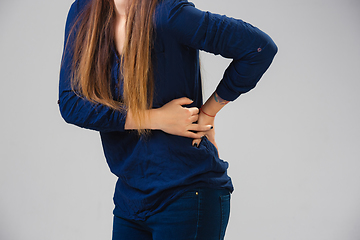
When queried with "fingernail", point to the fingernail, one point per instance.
{"points": [[195, 145]]}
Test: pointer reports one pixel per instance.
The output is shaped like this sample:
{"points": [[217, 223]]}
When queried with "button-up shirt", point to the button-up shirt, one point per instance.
{"points": [[155, 169]]}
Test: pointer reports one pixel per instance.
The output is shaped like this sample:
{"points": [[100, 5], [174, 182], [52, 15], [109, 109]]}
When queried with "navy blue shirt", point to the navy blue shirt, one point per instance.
{"points": [[154, 170]]}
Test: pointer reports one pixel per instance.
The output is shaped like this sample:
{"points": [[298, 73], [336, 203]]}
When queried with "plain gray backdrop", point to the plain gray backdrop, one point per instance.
{"points": [[293, 143]]}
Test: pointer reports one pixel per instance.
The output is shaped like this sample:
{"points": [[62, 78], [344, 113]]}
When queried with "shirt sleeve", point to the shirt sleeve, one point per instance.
{"points": [[75, 109], [251, 49]]}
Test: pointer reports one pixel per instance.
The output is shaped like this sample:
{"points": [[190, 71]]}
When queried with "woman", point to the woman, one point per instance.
{"points": [[130, 70]]}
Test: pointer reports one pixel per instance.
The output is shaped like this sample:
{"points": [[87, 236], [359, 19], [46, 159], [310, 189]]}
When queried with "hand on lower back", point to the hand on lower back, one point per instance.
{"points": [[210, 135]]}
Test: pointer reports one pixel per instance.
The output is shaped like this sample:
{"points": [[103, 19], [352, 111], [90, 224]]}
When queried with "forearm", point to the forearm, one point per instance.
{"points": [[81, 112], [150, 120], [213, 105]]}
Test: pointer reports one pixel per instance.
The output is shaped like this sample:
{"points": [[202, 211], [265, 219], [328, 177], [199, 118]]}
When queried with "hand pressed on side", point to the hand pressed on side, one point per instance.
{"points": [[175, 119]]}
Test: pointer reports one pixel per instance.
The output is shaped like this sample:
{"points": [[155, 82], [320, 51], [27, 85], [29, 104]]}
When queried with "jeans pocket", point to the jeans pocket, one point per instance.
{"points": [[225, 214]]}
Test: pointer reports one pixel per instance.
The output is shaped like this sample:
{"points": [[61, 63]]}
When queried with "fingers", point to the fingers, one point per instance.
{"points": [[183, 101], [194, 110], [200, 128], [194, 118], [196, 142], [186, 101], [193, 135], [197, 131]]}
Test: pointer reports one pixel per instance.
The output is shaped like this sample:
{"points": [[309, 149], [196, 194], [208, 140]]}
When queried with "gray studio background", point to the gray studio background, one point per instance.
{"points": [[293, 143]]}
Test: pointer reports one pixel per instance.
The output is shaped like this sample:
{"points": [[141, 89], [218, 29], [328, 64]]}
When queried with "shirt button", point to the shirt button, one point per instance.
{"points": [[197, 193], [259, 49]]}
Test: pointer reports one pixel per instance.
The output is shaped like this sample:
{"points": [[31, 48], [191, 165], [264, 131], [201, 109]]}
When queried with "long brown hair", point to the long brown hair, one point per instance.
{"points": [[92, 48]]}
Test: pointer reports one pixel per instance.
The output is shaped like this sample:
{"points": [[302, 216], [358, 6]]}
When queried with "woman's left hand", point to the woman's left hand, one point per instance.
{"points": [[210, 135]]}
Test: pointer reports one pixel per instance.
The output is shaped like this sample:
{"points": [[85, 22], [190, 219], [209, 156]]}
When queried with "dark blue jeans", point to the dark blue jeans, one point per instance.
{"points": [[200, 214]]}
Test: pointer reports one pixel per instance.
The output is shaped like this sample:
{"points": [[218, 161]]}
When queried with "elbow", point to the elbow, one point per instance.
{"points": [[270, 49], [268, 52], [265, 56], [66, 107], [273, 49], [64, 112], [265, 49]]}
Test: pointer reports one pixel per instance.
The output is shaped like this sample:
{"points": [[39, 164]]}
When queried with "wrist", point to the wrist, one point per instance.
{"points": [[154, 119], [208, 110], [205, 119], [213, 105], [207, 114]]}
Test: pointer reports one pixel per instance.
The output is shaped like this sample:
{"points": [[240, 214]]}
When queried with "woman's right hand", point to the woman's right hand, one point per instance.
{"points": [[175, 119]]}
